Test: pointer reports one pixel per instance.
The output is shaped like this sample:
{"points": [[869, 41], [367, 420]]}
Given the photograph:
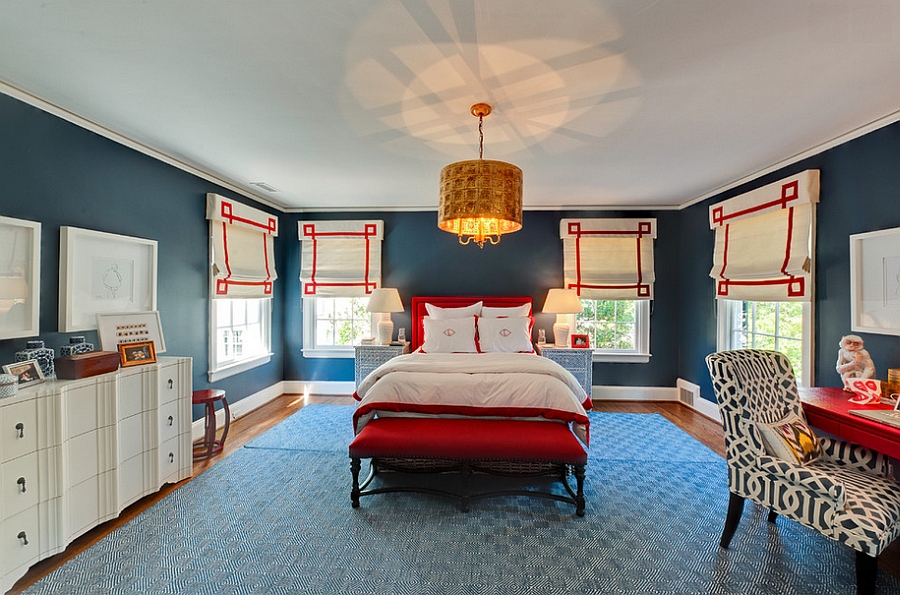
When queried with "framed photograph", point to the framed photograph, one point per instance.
{"points": [[135, 354], [103, 273], [875, 282], [20, 277], [581, 341], [28, 371], [116, 329]]}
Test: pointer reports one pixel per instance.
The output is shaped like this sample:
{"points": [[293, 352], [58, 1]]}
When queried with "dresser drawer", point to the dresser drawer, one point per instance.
{"points": [[169, 383], [19, 540], [169, 461], [169, 423], [18, 429], [19, 484]]}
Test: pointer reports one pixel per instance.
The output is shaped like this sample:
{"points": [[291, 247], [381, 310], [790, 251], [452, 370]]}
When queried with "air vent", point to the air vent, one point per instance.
{"points": [[264, 186], [688, 392]]}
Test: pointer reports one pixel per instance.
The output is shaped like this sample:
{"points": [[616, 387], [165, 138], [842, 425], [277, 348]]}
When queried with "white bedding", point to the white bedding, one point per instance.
{"points": [[508, 385]]}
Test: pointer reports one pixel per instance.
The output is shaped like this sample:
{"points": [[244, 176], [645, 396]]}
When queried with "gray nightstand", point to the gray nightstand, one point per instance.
{"points": [[369, 357], [577, 361]]}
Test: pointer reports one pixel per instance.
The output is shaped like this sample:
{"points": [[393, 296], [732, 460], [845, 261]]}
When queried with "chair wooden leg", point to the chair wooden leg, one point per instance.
{"points": [[866, 573], [735, 508], [772, 515]]}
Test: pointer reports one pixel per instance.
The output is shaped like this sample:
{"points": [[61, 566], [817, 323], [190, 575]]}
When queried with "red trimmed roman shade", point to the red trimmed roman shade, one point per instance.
{"points": [[243, 255], [340, 258], [609, 259], [762, 250]]}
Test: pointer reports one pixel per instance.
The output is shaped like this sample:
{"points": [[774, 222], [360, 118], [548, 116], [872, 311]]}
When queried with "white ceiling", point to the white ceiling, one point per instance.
{"points": [[359, 103]]}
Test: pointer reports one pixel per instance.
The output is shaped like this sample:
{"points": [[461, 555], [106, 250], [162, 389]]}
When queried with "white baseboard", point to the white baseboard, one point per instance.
{"points": [[633, 393], [695, 401], [239, 408], [328, 388]]}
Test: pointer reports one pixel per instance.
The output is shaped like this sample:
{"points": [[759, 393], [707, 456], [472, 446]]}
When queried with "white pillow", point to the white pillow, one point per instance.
{"points": [[506, 335], [452, 335], [447, 313], [514, 311]]}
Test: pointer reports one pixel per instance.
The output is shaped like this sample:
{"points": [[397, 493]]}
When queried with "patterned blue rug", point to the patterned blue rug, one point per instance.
{"points": [[278, 520]]}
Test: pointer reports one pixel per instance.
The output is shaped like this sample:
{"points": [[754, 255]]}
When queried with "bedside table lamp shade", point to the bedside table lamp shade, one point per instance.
{"points": [[384, 301], [562, 302]]}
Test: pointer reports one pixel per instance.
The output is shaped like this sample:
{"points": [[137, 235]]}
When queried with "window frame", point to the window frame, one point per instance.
{"points": [[727, 312], [219, 371], [311, 349], [641, 352]]}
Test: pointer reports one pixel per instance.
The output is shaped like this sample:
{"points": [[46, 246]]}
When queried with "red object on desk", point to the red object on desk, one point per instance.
{"points": [[828, 409]]}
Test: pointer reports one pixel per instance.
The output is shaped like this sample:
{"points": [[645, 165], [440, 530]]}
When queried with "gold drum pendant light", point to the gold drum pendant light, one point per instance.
{"points": [[480, 199]]}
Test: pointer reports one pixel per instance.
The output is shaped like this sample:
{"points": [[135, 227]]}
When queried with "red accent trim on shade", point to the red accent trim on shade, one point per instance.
{"points": [[725, 252], [644, 228], [228, 215], [310, 233], [789, 193], [787, 247], [223, 284], [796, 286]]}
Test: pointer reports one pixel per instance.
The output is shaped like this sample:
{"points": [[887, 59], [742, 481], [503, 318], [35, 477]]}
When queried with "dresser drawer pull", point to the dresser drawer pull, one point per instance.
{"points": [[171, 457], [22, 537], [171, 384], [171, 420], [21, 482], [21, 428]]}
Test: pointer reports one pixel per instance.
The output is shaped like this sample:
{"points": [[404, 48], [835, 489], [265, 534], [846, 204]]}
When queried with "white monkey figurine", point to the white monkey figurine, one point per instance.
{"points": [[853, 361]]}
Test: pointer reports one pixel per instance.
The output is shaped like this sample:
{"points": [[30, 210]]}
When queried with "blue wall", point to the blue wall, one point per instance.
{"points": [[859, 193], [59, 174]]}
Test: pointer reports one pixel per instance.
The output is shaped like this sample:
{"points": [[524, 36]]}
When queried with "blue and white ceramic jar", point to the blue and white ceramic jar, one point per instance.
{"points": [[76, 345], [43, 355]]}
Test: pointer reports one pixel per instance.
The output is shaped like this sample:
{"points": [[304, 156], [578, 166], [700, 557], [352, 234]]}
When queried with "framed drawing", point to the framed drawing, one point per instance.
{"points": [[102, 273], [20, 278], [875, 282], [135, 354], [28, 371], [118, 329]]}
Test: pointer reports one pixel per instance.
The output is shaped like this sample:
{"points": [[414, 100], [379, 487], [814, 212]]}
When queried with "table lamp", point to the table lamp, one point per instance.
{"points": [[562, 302], [384, 301]]}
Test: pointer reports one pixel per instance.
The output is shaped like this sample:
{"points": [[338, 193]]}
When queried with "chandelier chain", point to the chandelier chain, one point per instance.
{"points": [[480, 137]]}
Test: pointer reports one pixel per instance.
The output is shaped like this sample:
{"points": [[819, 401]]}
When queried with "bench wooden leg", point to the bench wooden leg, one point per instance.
{"points": [[579, 490], [355, 466]]}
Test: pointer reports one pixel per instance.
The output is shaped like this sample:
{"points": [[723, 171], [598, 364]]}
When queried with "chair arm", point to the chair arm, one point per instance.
{"points": [[858, 457], [797, 475]]}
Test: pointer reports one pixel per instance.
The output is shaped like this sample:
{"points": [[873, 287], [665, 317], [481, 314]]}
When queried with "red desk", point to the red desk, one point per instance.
{"points": [[827, 409]]}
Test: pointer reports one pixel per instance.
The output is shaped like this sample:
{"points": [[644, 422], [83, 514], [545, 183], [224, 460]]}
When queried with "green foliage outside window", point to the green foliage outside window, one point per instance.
{"points": [[342, 321], [610, 324], [777, 326]]}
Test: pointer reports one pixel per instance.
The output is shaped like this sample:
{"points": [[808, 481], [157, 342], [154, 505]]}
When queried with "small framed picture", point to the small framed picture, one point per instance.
{"points": [[135, 354], [28, 371], [581, 341]]}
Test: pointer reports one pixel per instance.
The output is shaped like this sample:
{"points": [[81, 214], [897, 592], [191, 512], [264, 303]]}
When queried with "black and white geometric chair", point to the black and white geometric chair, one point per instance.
{"points": [[844, 491]]}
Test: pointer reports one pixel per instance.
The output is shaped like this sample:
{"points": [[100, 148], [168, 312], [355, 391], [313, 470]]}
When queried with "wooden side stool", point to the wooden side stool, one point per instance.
{"points": [[208, 445]]}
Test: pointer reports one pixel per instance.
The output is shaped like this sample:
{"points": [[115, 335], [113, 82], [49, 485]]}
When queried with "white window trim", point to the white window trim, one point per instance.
{"points": [[641, 352], [216, 373], [726, 311], [309, 336]]}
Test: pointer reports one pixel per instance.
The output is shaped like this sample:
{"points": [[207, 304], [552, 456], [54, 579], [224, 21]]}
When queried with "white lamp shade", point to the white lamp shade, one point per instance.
{"points": [[562, 301], [385, 300]]}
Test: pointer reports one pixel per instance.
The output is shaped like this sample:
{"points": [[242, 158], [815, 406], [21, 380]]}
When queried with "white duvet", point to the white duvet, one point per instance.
{"points": [[509, 385]]}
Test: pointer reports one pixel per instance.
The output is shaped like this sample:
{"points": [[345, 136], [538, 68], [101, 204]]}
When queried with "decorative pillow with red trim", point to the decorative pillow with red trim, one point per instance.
{"points": [[512, 312], [439, 313], [505, 335], [452, 335]]}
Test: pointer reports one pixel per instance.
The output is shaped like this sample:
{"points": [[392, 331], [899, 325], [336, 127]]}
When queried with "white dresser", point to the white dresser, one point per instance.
{"points": [[75, 453]]}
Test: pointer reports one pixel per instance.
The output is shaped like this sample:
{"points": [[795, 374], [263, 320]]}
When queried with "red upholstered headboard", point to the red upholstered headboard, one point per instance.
{"points": [[419, 312]]}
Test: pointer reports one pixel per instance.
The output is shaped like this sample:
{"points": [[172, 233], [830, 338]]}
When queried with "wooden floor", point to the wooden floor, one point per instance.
{"points": [[248, 427]]}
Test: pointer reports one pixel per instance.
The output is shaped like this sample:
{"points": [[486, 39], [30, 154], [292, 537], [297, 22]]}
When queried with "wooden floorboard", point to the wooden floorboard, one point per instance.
{"points": [[251, 425]]}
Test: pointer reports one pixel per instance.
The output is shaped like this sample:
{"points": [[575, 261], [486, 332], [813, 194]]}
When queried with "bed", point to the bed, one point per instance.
{"points": [[472, 399]]}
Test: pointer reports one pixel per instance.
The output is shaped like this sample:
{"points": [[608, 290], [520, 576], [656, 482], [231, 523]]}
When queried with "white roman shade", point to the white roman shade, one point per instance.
{"points": [[609, 259], [243, 255], [340, 258], [762, 250]]}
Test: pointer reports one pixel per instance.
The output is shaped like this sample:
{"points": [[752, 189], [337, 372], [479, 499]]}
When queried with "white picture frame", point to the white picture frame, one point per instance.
{"points": [[20, 278], [875, 282], [118, 329], [103, 273]]}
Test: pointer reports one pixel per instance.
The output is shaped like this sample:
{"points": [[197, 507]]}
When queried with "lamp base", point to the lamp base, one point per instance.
{"points": [[385, 331], [561, 334]]}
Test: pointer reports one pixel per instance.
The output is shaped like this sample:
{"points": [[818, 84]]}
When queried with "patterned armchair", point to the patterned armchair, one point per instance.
{"points": [[848, 493]]}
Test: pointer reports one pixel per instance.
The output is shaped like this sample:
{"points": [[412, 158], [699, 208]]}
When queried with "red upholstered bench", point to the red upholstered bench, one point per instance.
{"points": [[469, 446]]}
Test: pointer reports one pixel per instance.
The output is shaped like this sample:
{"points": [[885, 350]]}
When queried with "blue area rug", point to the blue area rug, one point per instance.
{"points": [[278, 520]]}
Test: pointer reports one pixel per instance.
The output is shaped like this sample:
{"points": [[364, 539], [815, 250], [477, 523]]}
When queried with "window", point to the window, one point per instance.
{"points": [[777, 326], [619, 330], [332, 326], [241, 336]]}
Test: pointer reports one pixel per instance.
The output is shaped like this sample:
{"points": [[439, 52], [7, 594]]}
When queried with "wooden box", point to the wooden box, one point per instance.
{"points": [[83, 365]]}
